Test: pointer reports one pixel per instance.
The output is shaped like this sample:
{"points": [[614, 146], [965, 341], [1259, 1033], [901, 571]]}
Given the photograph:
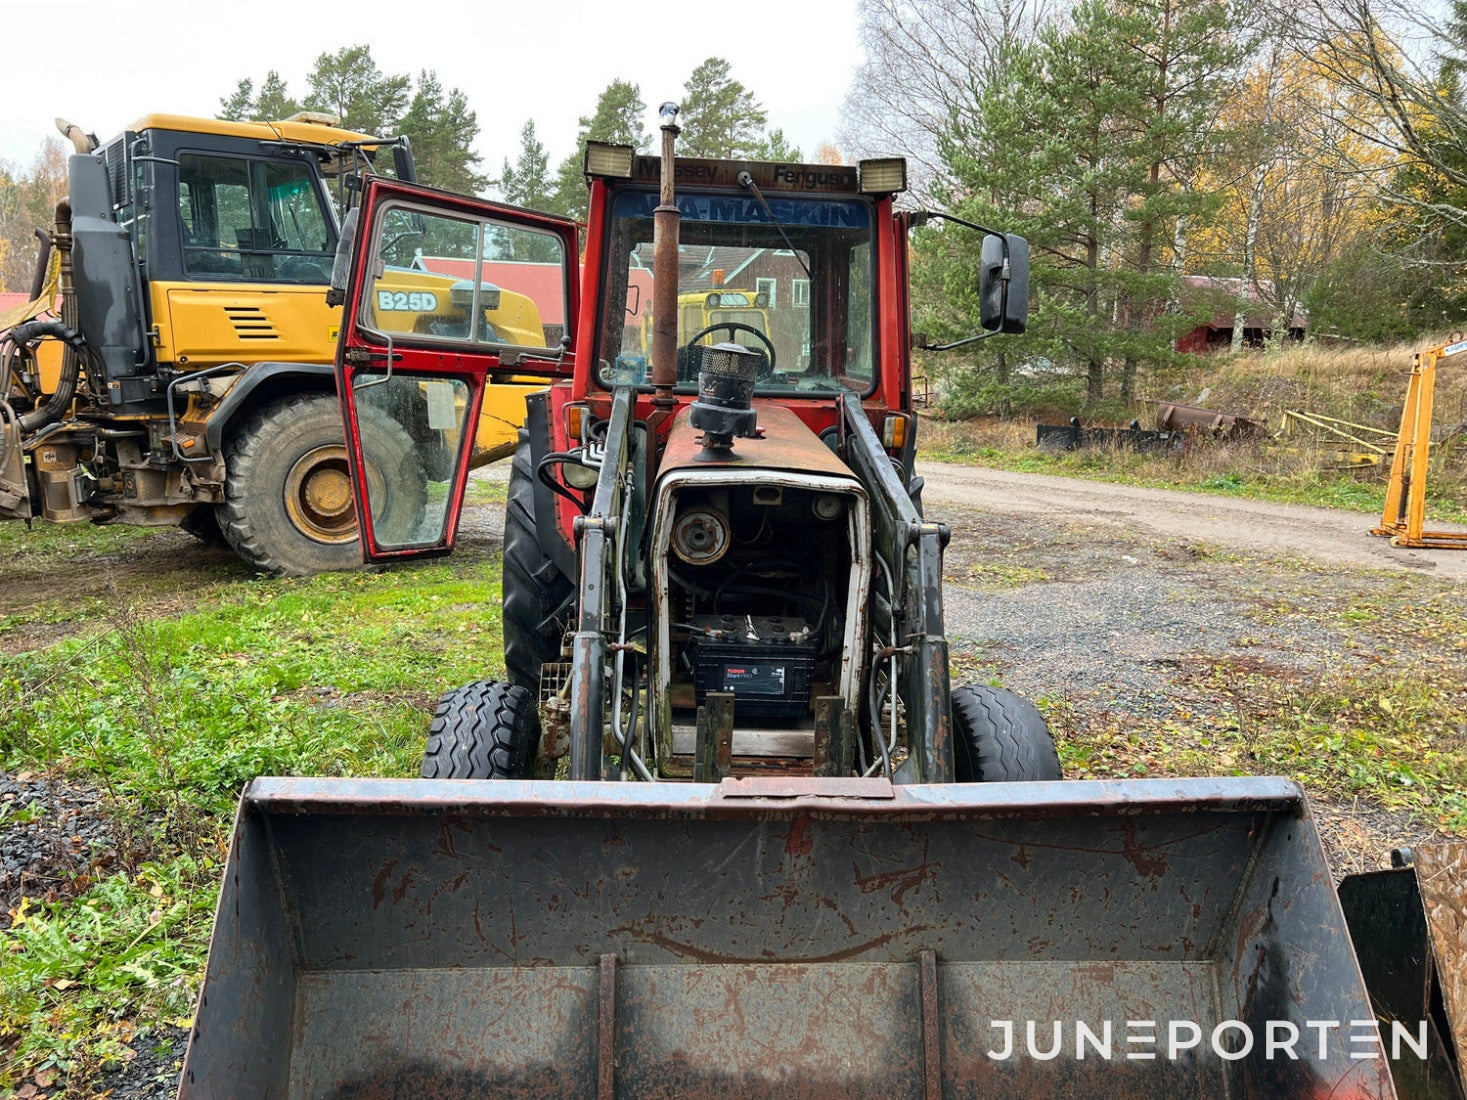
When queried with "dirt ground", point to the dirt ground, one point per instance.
{"points": [[1101, 601], [1110, 597]]}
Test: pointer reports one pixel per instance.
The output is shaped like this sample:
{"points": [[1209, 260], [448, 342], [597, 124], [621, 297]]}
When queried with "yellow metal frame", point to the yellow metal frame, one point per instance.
{"points": [[1403, 519]]}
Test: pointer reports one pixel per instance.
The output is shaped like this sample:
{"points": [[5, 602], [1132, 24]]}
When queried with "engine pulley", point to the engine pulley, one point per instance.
{"points": [[700, 536]]}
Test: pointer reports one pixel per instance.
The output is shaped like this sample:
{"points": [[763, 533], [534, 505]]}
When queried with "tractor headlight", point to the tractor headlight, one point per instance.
{"points": [[611, 161], [883, 177]]}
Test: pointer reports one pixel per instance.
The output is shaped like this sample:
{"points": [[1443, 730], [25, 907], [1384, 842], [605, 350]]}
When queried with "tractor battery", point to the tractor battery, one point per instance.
{"points": [[766, 662]]}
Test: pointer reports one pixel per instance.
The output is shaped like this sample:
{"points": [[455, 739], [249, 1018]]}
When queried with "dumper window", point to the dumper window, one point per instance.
{"points": [[253, 221]]}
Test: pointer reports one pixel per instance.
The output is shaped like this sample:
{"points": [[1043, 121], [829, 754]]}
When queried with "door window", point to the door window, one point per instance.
{"points": [[442, 277], [412, 429]]}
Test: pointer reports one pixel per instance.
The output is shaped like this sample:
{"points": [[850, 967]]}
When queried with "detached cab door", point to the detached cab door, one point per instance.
{"points": [[446, 295]]}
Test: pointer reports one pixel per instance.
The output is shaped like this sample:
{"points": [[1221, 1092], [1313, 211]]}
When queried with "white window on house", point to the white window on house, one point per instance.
{"points": [[800, 293], [766, 286]]}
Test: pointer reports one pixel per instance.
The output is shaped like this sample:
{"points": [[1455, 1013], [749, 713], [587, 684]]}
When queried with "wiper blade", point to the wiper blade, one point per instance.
{"points": [[746, 180]]}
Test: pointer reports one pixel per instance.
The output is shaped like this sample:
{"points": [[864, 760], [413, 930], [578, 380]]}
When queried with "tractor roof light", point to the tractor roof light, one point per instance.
{"points": [[609, 161], [883, 177]]}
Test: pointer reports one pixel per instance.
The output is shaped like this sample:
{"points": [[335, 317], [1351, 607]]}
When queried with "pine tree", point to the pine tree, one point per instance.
{"points": [[348, 84], [240, 105], [442, 128], [274, 102], [527, 182], [617, 120], [720, 118]]}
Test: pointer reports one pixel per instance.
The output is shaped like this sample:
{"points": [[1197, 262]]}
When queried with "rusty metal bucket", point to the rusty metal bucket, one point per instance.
{"points": [[777, 938], [1409, 926]]}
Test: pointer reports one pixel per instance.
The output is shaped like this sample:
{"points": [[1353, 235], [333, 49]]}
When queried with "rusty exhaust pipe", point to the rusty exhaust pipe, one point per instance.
{"points": [[83, 142], [664, 270]]}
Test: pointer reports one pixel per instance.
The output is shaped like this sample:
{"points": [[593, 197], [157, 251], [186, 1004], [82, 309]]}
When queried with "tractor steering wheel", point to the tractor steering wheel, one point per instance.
{"points": [[686, 352]]}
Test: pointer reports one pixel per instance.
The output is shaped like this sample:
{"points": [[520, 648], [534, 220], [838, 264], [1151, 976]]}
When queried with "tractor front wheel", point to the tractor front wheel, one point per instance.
{"points": [[486, 730], [539, 599], [1000, 737]]}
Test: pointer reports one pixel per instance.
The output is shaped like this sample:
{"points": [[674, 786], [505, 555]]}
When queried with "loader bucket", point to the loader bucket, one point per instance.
{"points": [[778, 937], [1409, 925]]}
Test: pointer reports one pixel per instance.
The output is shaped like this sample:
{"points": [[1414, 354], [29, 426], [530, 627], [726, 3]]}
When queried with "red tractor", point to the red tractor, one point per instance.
{"points": [[717, 564]]}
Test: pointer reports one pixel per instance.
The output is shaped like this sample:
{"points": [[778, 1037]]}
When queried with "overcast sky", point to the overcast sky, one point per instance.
{"points": [[109, 64]]}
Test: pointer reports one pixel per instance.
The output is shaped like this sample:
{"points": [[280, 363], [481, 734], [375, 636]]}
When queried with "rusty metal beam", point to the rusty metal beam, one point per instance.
{"points": [[713, 754], [835, 747]]}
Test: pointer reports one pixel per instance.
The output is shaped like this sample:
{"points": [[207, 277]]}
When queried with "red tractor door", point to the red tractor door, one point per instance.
{"points": [[445, 295]]}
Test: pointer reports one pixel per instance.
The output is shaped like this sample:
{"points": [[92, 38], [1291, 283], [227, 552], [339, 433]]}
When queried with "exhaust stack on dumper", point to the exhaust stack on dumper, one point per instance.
{"points": [[875, 885]]}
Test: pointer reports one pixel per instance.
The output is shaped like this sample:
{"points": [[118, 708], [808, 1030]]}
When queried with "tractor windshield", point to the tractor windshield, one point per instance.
{"points": [[802, 299]]}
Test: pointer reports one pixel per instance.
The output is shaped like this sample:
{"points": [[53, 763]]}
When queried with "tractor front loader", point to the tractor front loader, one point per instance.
{"points": [[727, 828]]}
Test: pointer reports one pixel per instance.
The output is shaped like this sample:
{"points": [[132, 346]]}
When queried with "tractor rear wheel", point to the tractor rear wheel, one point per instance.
{"points": [[288, 506], [1000, 737], [486, 730], [538, 598]]}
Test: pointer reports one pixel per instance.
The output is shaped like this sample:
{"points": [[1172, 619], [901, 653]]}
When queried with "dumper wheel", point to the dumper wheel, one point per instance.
{"points": [[486, 730], [538, 597], [288, 506], [999, 737]]}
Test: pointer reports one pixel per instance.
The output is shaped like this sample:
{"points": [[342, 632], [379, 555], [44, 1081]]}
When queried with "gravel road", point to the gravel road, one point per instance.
{"points": [[1325, 535]]}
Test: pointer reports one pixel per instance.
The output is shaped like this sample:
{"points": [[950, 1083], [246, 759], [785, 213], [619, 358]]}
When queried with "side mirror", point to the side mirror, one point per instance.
{"points": [[402, 162], [341, 266], [1003, 283]]}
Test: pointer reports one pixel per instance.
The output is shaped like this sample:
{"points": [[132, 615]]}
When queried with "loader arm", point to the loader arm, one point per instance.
{"points": [[911, 548], [602, 533]]}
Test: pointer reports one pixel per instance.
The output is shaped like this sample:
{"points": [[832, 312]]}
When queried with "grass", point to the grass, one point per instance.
{"points": [[169, 716], [166, 675]]}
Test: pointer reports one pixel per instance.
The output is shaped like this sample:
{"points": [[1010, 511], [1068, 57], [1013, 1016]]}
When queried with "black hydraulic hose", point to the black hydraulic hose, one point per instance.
{"points": [[631, 728], [795, 598], [55, 406], [34, 330], [876, 700], [741, 570], [542, 471]]}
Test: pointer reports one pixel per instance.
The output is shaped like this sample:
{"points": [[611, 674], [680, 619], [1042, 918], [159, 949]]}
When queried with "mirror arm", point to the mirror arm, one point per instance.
{"points": [[957, 343], [922, 217]]}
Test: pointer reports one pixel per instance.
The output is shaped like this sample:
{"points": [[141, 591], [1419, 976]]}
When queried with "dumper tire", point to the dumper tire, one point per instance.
{"points": [[1000, 737], [486, 730], [538, 599], [273, 518]]}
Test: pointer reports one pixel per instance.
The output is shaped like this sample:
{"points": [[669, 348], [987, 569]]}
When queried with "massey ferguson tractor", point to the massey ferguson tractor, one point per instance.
{"points": [[188, 377], [727, 830]]}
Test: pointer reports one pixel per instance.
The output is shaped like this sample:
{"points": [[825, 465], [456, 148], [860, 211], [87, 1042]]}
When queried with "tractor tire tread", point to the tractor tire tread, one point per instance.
{"points": [[485, 730], [538, 600], [999, 736]]}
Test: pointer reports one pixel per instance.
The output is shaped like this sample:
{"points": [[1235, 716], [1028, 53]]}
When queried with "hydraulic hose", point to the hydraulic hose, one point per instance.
{"points": [[55, 406]]}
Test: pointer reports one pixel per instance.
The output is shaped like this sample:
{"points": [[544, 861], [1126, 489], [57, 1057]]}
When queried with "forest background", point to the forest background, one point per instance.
{"points": [[1170, 162]]}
